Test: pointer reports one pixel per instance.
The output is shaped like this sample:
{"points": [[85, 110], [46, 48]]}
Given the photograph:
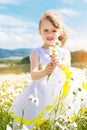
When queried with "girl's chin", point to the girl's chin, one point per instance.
{"points": [[51, 43]]}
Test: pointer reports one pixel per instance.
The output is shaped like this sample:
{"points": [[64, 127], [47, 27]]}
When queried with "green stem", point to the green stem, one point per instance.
{"points": [[21, 123]]}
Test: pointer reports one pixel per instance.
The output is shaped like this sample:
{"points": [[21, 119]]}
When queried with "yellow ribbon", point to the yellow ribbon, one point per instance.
{"points": [[34, 120], [84, 84], [66, 89]]}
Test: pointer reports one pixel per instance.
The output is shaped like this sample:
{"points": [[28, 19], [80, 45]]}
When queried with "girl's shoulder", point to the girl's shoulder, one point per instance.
{"points": [[40, 51], [37, 51]]}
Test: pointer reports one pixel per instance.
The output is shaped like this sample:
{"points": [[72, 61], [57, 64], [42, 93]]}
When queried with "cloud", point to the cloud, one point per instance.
{"points": [[12, 39], [16, 33], [7, 20], [69, 12], [3, 36]]}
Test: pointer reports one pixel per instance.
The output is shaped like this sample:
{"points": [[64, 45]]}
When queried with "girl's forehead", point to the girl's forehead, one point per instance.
{"points": [[47, 24], [51, 22]]}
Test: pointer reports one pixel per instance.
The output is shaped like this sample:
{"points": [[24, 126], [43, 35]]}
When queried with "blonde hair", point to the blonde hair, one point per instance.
{"points": [[64, 36], [56, 20]]}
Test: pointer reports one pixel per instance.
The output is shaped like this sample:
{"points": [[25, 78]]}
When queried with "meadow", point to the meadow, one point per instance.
{"points": [[14, 77], [14, 66]]}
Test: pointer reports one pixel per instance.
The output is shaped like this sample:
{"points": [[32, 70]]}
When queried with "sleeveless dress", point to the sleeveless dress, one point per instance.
{"points": [[44, 92]]}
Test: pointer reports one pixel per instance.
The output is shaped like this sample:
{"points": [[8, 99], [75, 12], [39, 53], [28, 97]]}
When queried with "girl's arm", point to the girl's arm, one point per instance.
{"points": [[37, 74]]}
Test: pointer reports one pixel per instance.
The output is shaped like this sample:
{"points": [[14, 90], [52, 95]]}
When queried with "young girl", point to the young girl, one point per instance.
{"points": [[46, 68]]}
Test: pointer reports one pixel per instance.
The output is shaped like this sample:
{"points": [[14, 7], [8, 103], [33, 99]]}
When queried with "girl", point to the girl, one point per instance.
{"points": [[46, 71]]}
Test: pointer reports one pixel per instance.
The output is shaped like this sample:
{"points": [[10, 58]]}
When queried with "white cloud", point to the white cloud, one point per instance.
{"points": [[12, 39], [15, 33], [13, 21], [69, 12], [3, 37]]}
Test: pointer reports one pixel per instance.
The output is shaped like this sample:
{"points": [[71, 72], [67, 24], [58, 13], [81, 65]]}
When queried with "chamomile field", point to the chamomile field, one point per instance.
{"points": [[13, 79]]}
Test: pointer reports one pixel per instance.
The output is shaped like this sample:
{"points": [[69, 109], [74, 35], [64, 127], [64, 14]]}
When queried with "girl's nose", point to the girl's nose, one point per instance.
{"points": [[50, 33]]}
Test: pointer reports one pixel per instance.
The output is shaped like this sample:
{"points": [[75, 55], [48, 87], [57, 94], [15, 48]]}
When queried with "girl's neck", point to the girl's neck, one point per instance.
{"points": [[46, 47]]}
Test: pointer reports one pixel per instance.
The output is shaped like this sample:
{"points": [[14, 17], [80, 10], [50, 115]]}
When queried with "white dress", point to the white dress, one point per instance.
{"points": [[43, 92]]}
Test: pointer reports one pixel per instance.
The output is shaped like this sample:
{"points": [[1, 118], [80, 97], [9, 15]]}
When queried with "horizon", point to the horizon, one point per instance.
{"points": [[12, 49]]}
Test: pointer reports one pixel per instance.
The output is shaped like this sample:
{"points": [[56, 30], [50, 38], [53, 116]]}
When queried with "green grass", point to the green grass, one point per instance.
{"points": [[10, 61], [13, 66]]}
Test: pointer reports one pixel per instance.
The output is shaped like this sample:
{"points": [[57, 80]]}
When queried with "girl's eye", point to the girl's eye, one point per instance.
{"points": [[45, 30], [54, 31]]}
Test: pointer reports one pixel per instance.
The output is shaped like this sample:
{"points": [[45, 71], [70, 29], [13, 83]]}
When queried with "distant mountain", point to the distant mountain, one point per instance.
{"points": [[22, 52]]}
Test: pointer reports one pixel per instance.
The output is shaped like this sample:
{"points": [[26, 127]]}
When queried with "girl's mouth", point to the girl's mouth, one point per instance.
{"points": [[50, 39]]}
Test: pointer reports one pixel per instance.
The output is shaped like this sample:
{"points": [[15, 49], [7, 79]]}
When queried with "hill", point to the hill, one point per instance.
{"points": [[79, 58], [22, 52]]}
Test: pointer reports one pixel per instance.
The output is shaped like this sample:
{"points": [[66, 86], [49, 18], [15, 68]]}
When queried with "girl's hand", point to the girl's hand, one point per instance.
{"points": [[54, 60], [49, 68]]}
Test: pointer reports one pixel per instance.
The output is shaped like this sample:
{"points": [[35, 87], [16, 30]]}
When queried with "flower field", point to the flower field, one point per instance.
{"points": [[12, 84]]}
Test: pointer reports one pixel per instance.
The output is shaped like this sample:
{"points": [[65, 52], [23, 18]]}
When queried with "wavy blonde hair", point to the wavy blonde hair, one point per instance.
{"points": [[56, 20]]}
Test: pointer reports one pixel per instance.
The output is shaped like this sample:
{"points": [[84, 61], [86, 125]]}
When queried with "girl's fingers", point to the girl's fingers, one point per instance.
{"points": [[50, 68], [54, 57]]}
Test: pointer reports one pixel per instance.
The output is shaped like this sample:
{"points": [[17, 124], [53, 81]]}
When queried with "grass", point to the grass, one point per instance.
{"points": [[79, 64], [16, 69], [13, 66]]}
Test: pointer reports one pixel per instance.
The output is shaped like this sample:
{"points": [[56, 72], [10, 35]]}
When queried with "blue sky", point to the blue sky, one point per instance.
{"points": [[19, 22]]}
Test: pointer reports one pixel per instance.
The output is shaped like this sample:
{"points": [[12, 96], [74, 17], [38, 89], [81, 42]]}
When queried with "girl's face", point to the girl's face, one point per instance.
{"points": [[49, 33]]}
